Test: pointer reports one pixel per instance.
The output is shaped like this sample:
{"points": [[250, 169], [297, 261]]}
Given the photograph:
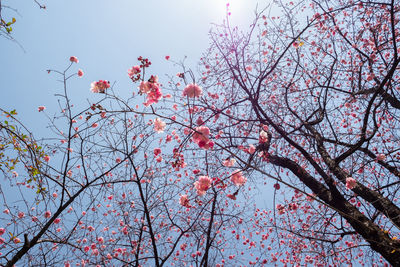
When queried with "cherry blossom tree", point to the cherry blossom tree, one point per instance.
{"points": [[309, 99], [304, 104]]}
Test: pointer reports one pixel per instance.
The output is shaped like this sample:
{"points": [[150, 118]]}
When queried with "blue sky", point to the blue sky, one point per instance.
{"points": [[107, 37]]}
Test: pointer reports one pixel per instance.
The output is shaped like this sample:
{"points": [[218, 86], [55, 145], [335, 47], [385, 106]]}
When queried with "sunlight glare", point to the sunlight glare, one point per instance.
{"points": [[232, 6]]}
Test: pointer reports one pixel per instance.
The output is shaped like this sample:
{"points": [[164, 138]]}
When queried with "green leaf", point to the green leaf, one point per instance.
{"points": [[35, 172]]}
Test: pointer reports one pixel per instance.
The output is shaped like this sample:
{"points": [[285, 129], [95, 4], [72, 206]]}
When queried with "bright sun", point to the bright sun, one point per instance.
{"points": [[237, 8]]}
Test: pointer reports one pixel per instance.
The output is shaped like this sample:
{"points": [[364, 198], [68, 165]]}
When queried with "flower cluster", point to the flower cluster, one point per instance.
{"points": [[201, 137], [202, 185], [237, 178], [184, 201], [99, 86], [159, 125], [192, 90], [152, 89], [229, 162], [263, 138], [145, 63], [350, 182], [134, 73]]}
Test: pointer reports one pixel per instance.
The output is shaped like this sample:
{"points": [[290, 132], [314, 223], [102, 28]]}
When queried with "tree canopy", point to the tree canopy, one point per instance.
{"points": [[303, 105]]}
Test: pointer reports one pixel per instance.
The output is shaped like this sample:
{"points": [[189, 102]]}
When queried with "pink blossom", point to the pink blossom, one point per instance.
{"points": [[153, 96], [144, 87], [184, 201], [2, 231], [94, 125], [17, 240], [350, 182], [80, 73], [281, 209], [183, 246], [233, 197], [99, 86], [21, 215], [57, 220], [237, 178], [192, 90], [55, 195], [46, 158], [34, 219], [41, 108], [6, 211], [47, 214], [252, 149], [167, 57], [95, 252], [157, 151], [202, 185], [200, 137], [159, 125], [74, 59], [2, 240], [152, 89], [133, 71], [202, 133], [263, 138], [381, 157], [229, 162]]}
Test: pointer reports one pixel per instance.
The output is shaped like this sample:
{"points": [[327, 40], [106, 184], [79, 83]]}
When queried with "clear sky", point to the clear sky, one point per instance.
{"points": [[106, 37]]}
